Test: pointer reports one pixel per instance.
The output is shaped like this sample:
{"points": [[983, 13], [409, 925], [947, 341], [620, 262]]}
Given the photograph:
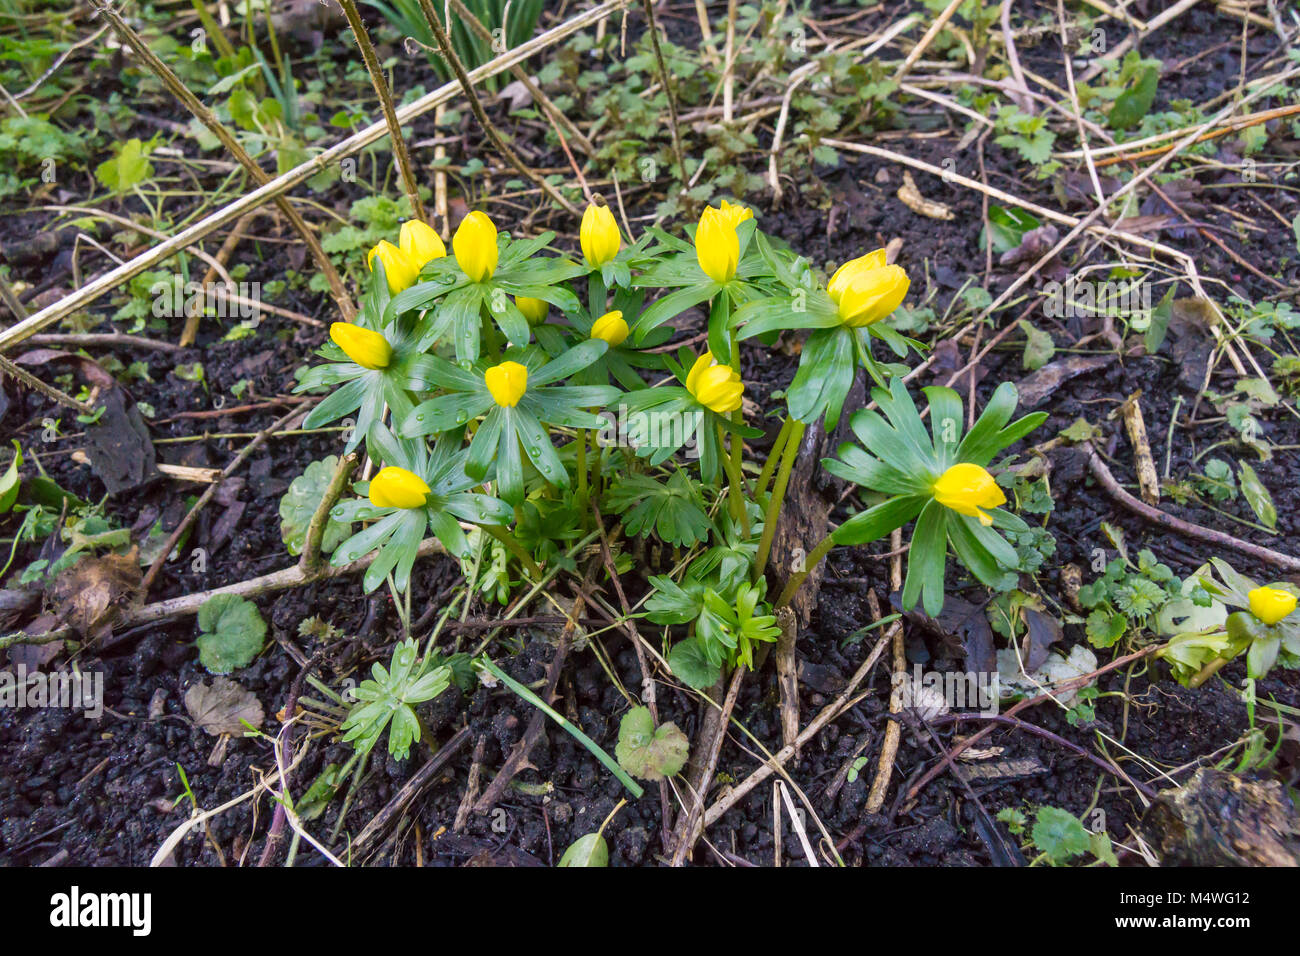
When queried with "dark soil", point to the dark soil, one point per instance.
{"points": [[107, 791]]}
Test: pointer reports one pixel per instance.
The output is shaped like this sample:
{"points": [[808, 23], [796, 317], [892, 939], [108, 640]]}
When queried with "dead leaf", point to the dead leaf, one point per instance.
{"points": [[1042, 632], [223, 707], [118, 445], [1034, 389], [90, 595], [911, 198]]}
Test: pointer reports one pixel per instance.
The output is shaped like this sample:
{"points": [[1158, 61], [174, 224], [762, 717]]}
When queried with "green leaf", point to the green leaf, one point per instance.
{"points": [[1135, 102], [1059, 834], [299, 504], [589, 850], [1039, 346], [1257, 496], [9, 483], [647, 752], [232, 632], [689, 662], [128, 169], [1007, 227]]}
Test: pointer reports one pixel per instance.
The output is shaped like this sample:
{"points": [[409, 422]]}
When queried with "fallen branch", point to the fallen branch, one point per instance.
{"points": [[1157, 517]]}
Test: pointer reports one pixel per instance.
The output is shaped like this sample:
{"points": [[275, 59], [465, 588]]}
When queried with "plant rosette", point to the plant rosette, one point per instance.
{"points": [[418, 489], [700, 409], [842, 319], [368, 367], [515, 399], [721, 258], [938, 477], [472, 292]]}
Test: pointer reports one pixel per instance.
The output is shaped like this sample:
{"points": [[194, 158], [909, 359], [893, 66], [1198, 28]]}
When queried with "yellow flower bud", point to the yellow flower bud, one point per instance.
{"points": [[867, 290], [507, 382], [599, 235], [1270, 605], [400, 270], [534, 310], [420, 243], [966, 488], [716, 246], [368, 349], [611, 328], [716, 387], [396, 487], [736, 214], [475, 245]]}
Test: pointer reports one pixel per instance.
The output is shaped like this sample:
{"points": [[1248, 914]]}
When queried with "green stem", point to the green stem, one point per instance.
{"points": [[796, 579], [582, 738], [515, 548], [789, 454], [773, 457], [735, 496], [582, 474]]}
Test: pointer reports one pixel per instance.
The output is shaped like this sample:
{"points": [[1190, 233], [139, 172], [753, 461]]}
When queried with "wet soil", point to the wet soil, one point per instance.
{"points": [[107, 791]]}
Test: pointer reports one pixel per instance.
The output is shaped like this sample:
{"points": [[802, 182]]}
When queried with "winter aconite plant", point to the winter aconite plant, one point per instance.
{"points": [[508, 395]]}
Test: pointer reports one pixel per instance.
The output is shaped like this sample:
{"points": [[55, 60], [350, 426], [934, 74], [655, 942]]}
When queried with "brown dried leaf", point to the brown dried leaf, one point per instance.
{"points": [[90, 595], [223, 706]]}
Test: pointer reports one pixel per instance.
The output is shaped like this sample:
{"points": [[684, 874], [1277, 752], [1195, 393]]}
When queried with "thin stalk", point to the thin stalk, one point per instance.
{"points": [[653, 26], [449, 54], [814, 558], [376, 72], [515, 548], [591, 745], [582, 472], [735, 490], [790, 453], [227, 139], [773, 458]]}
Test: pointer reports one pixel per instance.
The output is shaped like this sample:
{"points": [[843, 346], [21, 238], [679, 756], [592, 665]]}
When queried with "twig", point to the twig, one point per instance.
{"points": [[193, 513], [35, 384], [893, 732], [208, 119], [376, 71], [652, 25], [92, 339], [536, 92], [410, 790], [1157, 517], [467, 85], [109, 281], [311, 561], [926, 39], [690, 827]]}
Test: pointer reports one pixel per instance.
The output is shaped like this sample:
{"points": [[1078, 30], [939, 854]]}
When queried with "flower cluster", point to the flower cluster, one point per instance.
{"points": [[501, 392]]}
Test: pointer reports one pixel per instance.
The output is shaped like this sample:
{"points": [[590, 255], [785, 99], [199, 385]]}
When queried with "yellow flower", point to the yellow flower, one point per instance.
{"points": [[966, 488], [611, 328], [534, 310], [717, 387], [400, 270], [867, 289], [716, 246], [368, 349], [1270, 605], [599, 235], [735, 215], [396, 487], [507, 382], [475, 245], [420, 243]]}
